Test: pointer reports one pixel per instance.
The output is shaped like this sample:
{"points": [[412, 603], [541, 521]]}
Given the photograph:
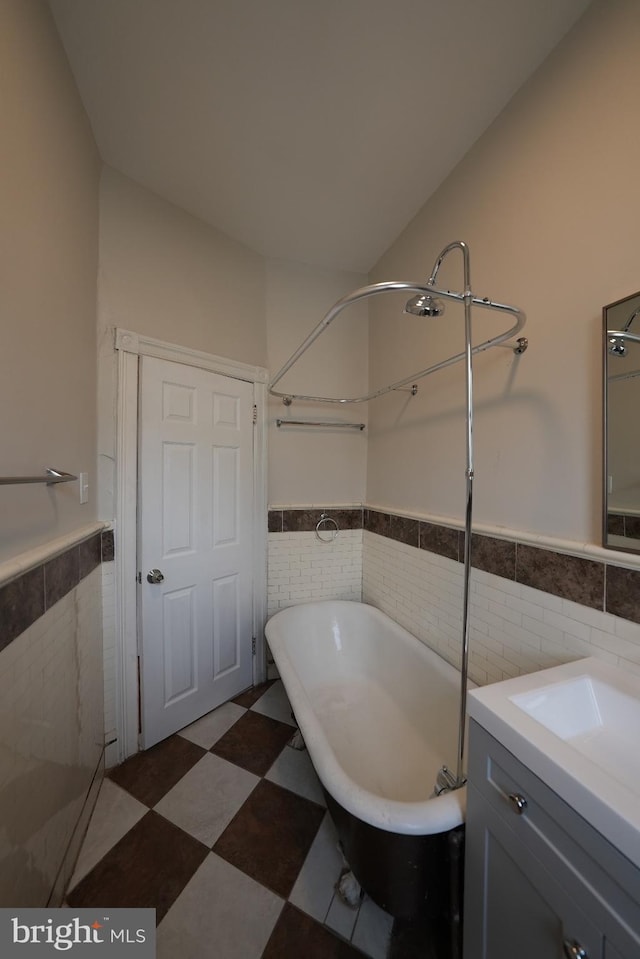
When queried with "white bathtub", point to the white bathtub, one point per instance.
{"points": [[379, 714], [378, 711]]}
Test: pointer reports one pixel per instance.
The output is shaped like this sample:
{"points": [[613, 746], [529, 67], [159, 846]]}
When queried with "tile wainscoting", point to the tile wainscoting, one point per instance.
{"points": [[52, 726], [302, 567], [531, 607]]}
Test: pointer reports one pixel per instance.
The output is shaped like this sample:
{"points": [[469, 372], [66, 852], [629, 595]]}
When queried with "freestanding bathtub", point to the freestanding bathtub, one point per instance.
{"points": [[379, 714]]}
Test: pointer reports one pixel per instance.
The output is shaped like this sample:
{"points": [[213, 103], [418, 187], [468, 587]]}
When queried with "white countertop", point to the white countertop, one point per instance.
{"points": [[593, 763]]}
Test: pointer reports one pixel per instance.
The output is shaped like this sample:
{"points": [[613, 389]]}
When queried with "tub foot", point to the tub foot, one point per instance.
{"points": [[347, 886], [297, 741], [349, 889]]}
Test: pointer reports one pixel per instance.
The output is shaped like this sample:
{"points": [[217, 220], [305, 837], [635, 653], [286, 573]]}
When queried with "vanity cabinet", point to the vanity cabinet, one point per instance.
{"points": [[540, 882]]}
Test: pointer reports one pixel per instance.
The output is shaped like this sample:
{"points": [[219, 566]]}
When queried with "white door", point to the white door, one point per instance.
{"points": [[196, 530]]}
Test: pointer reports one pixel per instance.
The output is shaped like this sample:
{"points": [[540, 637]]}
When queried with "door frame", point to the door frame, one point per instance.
{"points": [[130, 347]]}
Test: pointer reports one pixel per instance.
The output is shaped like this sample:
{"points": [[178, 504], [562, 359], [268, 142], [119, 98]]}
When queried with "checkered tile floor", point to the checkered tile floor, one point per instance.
{"points": [[223, 829]]}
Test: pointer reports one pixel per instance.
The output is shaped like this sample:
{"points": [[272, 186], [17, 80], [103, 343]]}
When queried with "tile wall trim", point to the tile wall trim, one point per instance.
{"points": [[27, 596], [583, 573], [572, 547], [12, 568], [304, 519]]}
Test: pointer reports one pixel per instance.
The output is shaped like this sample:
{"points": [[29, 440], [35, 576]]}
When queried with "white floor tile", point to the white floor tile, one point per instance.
{"points": [[293, 770], [220, 913], [115, 813], [314, 887], [274, 703], [206, 799], [373, 930], [341, 917], [208, 730]]}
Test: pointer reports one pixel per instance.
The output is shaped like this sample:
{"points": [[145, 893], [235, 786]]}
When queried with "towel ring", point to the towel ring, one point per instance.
{"points": [[324, 518]]}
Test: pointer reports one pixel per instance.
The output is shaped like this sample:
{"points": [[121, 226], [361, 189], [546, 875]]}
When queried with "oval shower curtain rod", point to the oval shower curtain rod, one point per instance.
{"points": [[393, 286]]}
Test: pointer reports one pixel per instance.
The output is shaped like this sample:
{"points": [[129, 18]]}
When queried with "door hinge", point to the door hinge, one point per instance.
{"points": [[253, 646], [255, 414]]}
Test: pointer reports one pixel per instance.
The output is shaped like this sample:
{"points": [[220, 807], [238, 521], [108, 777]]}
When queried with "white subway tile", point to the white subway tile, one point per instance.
{"points": [[544, 630], [627, 630], [630, 665], [540, 598], [567, 625], [616, 645], [524, 607]]}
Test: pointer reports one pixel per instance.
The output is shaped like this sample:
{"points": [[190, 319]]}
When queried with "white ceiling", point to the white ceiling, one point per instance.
{"points": [[312, 130]]}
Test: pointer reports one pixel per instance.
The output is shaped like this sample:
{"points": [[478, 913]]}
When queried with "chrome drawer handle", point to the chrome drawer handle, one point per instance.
{"points": [[573, 949], [520, 804]]}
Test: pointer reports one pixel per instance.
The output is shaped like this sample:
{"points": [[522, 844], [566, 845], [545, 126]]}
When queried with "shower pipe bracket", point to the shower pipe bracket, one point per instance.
{"points": [[518, 348], [51, 478]]}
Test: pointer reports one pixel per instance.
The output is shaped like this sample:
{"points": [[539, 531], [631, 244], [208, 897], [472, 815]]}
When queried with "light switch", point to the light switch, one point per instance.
{"points": [[84, 487]]}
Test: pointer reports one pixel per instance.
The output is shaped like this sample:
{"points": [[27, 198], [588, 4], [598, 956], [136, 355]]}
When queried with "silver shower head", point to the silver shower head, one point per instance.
{"points": [[424, 305], [617, 346]]}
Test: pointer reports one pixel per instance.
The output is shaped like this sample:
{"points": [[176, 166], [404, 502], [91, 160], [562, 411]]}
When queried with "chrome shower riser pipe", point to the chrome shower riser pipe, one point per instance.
{"points": [[460, 777]]}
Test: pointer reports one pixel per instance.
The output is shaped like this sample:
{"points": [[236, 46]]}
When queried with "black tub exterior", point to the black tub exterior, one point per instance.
{"points": [[408, 876]]}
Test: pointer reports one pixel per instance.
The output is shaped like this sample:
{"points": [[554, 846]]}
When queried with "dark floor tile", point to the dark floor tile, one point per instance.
{"points": [[252, 695], [270, 836], [152, 773], [295, 935], [149, 867], [253, 742]]}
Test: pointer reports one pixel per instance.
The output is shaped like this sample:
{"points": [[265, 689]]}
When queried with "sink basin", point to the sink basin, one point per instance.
{"points": [[594, 717], [577, 727]]}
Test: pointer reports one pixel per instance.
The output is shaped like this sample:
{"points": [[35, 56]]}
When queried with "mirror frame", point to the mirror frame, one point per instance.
{"points": [[605, 430]]}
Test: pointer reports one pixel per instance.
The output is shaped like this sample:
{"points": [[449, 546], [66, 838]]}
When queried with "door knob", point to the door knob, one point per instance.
{"points": [[155, 576]]}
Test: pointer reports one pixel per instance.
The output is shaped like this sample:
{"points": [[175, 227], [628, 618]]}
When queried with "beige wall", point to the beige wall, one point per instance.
{"points": [[168, 275], [548, 200], [49, 227], [312, 465]]}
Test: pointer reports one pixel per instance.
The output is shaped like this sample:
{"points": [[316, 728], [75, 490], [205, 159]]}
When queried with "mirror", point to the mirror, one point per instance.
{"points": [[621, 424]]}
